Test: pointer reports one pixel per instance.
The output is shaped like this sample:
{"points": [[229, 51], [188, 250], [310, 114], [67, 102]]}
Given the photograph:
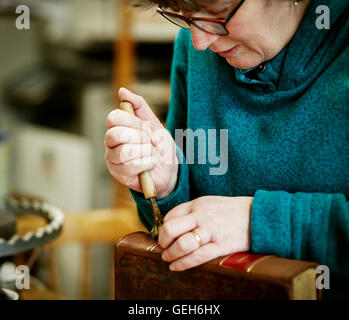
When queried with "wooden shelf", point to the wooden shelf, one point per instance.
{"points": [[153, 32]]}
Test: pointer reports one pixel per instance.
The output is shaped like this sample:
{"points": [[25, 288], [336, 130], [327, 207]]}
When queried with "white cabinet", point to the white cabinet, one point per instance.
{"points": [[54, 165]]}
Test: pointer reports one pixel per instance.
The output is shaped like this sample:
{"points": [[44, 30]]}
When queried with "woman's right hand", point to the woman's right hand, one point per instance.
{"points": [[135, 143]]}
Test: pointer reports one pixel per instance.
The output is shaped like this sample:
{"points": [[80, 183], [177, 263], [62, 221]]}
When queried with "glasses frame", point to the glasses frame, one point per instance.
{"points": [[189, 20]]}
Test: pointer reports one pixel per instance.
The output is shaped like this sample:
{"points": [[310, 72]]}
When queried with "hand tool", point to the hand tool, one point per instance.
{"points": [[147, 184]]}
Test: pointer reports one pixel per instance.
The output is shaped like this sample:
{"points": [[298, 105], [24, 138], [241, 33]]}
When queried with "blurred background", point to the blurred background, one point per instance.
{"points": [[58, 81]]}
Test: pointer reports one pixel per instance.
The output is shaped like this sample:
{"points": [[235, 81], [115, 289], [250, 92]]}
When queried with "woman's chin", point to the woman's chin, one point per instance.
{"points": [[243, 63]]}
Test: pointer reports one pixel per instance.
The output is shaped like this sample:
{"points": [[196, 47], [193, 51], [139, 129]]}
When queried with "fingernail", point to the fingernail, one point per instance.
{"points": [[172, 268]]}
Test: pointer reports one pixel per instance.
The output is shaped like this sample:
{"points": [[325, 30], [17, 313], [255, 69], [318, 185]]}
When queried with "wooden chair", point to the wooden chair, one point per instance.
{"points": [[103, 226]]}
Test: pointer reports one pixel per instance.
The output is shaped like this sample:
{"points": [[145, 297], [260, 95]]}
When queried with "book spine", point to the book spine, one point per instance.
{"points": [[243, 261]]}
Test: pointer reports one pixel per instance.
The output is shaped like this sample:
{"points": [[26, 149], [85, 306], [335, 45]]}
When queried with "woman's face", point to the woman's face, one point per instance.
{"points": [[259, 30]]}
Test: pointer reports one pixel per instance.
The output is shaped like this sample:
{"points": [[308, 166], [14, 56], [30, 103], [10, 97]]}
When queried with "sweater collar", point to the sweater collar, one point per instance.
{"points": [[265, 76]]}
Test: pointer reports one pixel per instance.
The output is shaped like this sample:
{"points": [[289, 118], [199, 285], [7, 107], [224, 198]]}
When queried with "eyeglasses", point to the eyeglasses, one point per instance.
{"points": [[212, 26]]}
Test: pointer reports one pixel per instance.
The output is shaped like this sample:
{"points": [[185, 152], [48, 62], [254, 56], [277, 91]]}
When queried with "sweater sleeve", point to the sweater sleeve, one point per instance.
{"points": [[176, 119], [302, 226]]}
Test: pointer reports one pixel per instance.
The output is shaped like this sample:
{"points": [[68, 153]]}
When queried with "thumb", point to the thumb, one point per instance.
{"points": [[140, 107]]}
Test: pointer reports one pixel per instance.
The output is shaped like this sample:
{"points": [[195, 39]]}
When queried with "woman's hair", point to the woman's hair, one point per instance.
{"points": [[176, 5]]}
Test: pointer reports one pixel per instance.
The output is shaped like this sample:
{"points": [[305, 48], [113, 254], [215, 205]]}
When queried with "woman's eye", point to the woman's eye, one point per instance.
{"points": [[230, 7], [219, 12]]}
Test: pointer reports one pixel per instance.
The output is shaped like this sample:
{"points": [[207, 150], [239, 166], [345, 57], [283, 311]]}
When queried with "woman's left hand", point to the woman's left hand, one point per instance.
{"points": [[222, 224]]}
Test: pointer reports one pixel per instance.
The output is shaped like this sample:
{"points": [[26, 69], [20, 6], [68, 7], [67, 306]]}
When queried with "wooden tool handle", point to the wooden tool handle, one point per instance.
{"points": [[144, 177]]}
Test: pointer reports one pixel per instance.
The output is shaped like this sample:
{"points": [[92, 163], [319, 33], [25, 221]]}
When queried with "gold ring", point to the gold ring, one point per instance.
{"points": [[197, 237]]}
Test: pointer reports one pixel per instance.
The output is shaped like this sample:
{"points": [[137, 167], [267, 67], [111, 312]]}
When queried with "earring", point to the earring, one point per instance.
{"points": [[296, 3]]}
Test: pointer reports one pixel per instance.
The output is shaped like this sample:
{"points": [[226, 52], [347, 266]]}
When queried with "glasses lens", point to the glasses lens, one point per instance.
{"points": [[211, 27], [177, 21]]}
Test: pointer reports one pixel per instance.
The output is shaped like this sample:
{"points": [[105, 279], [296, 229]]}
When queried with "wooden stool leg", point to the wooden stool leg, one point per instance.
{"points": [[52, 275], [85, 279]]}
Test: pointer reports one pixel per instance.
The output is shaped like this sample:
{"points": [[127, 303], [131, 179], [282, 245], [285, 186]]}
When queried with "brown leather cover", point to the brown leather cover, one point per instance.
{"points": [[141, 274]]}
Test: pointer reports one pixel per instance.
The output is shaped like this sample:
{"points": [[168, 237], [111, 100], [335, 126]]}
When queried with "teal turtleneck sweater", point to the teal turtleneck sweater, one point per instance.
{"points": [[288, 139]]}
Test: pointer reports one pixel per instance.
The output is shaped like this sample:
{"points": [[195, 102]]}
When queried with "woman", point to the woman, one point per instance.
{"points": [[279, 85]]}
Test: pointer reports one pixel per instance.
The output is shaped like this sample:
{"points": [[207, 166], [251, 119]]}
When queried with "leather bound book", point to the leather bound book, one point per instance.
{"points": [[141, 274]]}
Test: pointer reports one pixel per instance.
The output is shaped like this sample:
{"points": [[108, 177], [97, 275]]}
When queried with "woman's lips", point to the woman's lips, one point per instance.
{"points": [[229, 53]]}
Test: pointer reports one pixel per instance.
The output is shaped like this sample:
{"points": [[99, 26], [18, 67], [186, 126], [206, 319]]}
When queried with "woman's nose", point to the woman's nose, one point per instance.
{"points": [[201, 40]]}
